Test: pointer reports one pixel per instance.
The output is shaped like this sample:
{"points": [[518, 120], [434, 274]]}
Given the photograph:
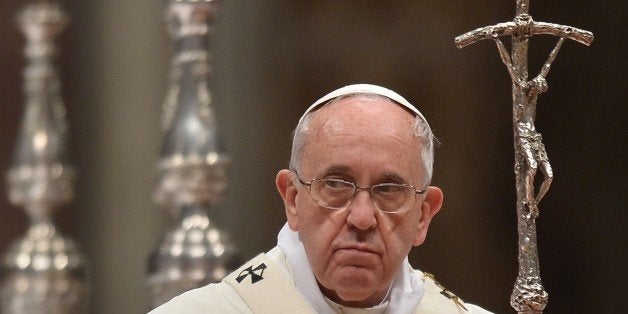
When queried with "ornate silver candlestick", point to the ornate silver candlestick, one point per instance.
{"points": [[43, 272], [528, 295], [192, 169]]}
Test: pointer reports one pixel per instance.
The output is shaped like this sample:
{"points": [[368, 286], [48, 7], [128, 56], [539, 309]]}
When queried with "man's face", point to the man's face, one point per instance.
{"points": [[355, 252]]}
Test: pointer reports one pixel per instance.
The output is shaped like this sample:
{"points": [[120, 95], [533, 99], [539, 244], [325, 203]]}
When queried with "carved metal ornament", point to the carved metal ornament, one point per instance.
{"points": [[192, 170], [528, 295], [43, 272]]}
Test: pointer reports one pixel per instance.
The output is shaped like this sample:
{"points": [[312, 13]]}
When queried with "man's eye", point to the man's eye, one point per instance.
{"points": [[390, 188], [336, 184]]}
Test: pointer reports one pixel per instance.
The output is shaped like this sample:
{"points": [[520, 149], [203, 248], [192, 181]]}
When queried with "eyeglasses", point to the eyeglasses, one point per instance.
{"points": [[338, 194]]}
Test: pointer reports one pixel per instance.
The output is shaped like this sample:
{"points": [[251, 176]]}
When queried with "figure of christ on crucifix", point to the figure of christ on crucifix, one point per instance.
{"points": [[529, 141]]}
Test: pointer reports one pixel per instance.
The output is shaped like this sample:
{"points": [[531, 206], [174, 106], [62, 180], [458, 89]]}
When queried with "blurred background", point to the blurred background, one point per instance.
{"points": [[272, 59]]}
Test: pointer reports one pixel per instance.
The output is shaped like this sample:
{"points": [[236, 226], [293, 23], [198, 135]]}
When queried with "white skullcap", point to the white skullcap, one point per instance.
{"points": [[364, 89]]}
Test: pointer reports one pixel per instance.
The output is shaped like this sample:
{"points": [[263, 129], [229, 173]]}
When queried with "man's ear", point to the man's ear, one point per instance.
{"points": [[288, 191], [429, 208]]}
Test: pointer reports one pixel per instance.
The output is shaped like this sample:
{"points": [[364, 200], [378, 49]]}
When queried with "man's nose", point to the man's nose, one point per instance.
{"points": [[362, 211]]}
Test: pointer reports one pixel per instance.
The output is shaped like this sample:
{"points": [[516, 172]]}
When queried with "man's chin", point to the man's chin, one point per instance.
{"points": [[358, 299], [354, 287]]}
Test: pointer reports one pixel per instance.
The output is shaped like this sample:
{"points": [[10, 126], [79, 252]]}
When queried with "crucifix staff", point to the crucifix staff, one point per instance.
{"points": [[528, 294]]}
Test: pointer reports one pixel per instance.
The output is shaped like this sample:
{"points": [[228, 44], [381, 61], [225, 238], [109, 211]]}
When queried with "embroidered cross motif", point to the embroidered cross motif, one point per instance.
{"points": [[448, 294], [256, 273]]}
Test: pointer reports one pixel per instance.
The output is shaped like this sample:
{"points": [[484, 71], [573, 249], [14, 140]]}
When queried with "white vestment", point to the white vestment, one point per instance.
{"points": [[281, 281]]}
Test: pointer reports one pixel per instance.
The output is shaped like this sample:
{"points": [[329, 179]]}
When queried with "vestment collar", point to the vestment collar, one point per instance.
{"points": [[405, 294]]}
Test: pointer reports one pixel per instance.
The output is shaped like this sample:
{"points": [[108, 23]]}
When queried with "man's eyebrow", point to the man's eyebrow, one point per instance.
{"points": [[344, 170], [395, 177], [335, 169]]}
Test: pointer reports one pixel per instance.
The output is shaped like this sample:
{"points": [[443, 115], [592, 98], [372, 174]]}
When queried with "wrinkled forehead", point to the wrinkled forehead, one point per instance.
{"points": [[355, 111], [364, 89]]}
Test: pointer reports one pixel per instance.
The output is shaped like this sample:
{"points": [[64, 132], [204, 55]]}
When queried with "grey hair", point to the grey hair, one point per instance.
{"points": [[421, 131]]}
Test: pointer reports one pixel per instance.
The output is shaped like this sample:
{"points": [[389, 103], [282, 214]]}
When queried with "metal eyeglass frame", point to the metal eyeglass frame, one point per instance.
{"points": [[357, 188]]}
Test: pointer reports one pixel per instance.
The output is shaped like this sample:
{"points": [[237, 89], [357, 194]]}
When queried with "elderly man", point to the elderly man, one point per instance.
{"points": [[357, 198]]}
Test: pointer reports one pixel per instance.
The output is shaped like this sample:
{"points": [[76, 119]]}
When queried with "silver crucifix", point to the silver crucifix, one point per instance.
{"points": [[528, 295]]}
